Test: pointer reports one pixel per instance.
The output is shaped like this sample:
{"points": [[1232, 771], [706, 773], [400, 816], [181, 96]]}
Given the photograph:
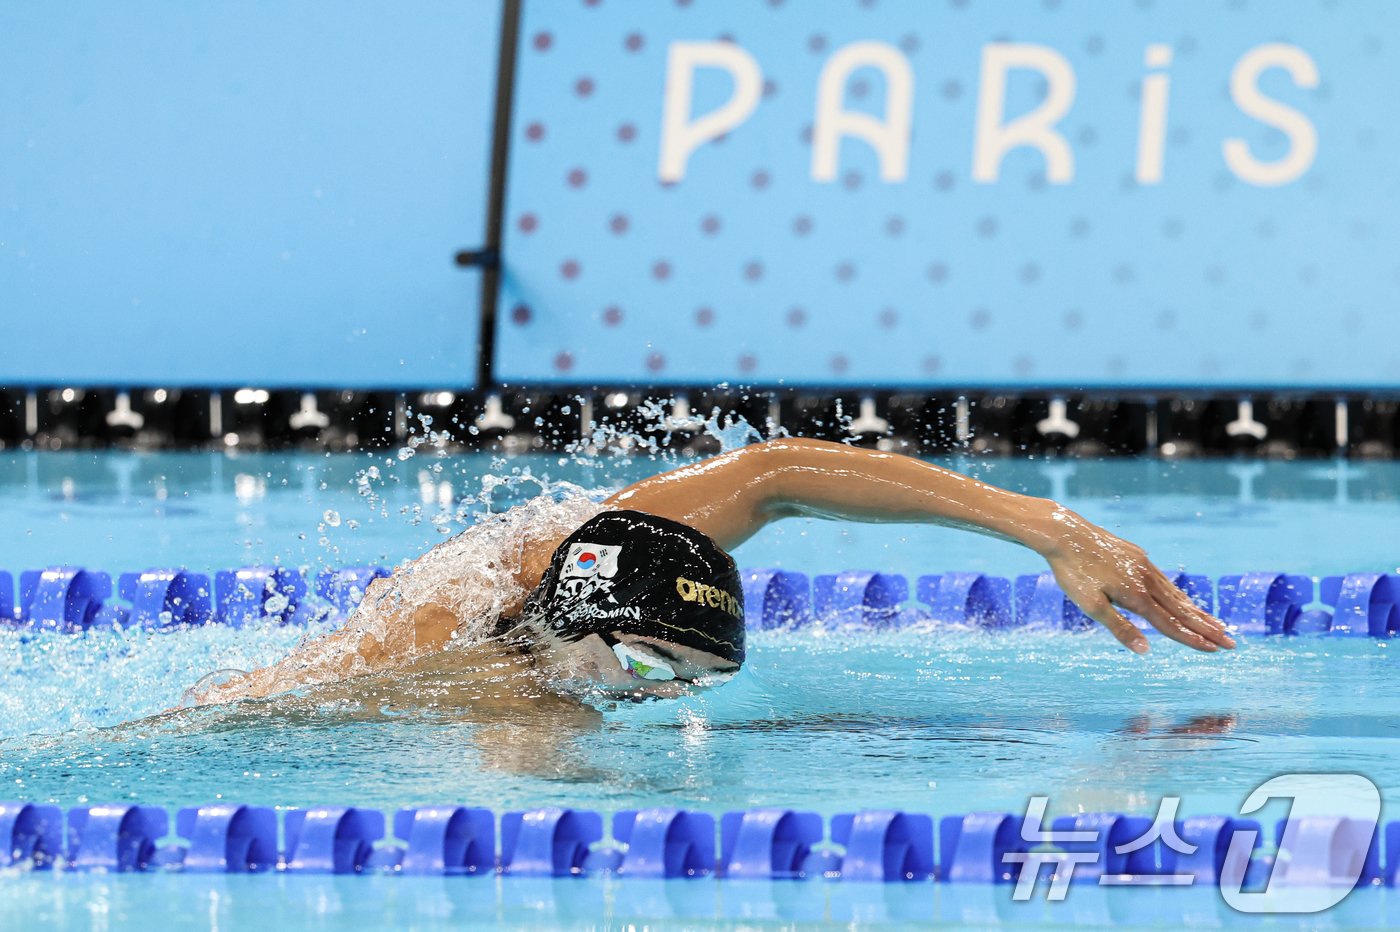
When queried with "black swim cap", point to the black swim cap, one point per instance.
{"points": [[631, 572]]}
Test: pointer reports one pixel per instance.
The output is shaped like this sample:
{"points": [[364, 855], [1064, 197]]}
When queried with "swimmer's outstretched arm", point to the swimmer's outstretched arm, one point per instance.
{"points": [[732, 496]]}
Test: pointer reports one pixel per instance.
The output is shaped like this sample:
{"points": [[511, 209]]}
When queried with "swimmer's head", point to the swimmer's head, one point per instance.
{"points": [[641, 605]]}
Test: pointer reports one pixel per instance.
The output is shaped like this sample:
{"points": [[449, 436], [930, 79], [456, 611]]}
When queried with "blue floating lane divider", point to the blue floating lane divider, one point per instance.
{"points": [[1391, 871], [1209, 859], [973, 847], [762, 844], [331, 839], [777, 599], [75, 599], [765, 844], [30, 835], [257, 593], [1363, 603], [115, 837], [1263, 603], [548, 842], [967, 599], [66, 598], [664, 843], [227, 838], [884, 845], [446, 840], [164, 598], [9, 610], [1041, 603], [861, 597]]}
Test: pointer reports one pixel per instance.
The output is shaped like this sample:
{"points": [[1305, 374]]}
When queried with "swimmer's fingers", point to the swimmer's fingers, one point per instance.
{"points": [[1128, 634], [1090, 597], [1143, 589], [1188, 613], [1155, 606], [1172, 622], [1099, 606], [1102, 571]]}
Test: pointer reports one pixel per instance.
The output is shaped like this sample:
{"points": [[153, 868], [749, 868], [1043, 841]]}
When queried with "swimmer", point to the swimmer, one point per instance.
{"points": [[638, 598]]}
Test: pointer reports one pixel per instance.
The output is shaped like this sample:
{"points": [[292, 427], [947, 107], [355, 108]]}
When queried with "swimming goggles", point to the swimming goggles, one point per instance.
{"points": [[644, 666]]}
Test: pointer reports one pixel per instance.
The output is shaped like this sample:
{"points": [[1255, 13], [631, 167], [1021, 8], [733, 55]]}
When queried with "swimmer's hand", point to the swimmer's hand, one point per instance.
{"points": [[1099, 571]]}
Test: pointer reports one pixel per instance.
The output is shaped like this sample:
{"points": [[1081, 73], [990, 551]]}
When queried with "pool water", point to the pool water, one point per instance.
{"points": [[933, 720], [212, 901], [948, 720], [953, 722]]}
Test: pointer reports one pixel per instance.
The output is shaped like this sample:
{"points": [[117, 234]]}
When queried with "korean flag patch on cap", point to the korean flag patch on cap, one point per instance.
{"points": [[591, 560]]}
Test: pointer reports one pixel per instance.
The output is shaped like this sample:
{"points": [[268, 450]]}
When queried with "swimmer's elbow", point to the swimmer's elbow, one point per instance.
{"points": [[770, 460], [788, 450], [780, 468]]}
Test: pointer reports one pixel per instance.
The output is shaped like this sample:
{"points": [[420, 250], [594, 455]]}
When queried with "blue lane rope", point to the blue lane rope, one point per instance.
{"points": [[767, 844], [75, 599]]}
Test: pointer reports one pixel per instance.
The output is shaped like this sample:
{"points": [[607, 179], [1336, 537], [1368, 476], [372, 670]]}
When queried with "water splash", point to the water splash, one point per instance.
{"points": [[736, 433], [473, 577], [60, 683]]}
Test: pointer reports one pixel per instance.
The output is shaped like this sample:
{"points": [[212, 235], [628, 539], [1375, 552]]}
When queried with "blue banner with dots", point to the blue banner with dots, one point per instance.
{"points": [[1072, 193]]}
